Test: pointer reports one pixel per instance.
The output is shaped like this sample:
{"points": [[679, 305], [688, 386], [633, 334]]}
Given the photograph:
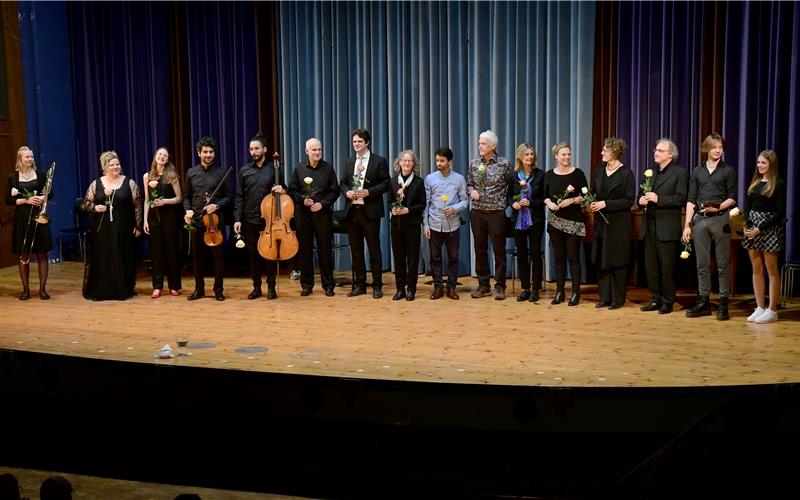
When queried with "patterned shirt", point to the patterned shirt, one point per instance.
{"points": [[492, 184]]}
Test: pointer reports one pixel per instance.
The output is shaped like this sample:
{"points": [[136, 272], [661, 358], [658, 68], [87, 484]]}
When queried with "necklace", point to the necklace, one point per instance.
{"points": [[27, 176]]}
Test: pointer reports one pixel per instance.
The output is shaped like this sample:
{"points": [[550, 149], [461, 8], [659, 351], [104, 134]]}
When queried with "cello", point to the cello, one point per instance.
{"points": [[277, 241]]}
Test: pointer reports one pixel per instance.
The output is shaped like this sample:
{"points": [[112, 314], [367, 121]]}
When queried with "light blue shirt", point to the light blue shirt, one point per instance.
{"points": [[455, 187]]}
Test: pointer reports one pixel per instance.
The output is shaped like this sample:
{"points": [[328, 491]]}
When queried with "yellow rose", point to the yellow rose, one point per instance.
{"points": [[648, 172], [444, 198], [481, 168], [684, 255]]}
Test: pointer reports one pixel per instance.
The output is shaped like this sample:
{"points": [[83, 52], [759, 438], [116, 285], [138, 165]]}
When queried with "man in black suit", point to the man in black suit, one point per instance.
{"points": [[364, 180], [661, 228]]}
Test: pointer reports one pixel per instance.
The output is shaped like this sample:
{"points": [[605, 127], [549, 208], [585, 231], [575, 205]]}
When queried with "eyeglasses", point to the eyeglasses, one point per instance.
{"points": [[656, 150]]}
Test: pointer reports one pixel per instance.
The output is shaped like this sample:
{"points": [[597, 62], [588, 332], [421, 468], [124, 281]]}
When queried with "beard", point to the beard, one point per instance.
{"points": [[256, 158]]}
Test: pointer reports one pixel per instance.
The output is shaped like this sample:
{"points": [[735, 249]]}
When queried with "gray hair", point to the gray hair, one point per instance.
{"points": [[673, 149], [401, 155], [490, 136], [312, 139]]}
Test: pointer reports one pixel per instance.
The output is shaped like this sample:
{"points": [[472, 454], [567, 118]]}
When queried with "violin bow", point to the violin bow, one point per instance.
{"points": [[216, 189]]}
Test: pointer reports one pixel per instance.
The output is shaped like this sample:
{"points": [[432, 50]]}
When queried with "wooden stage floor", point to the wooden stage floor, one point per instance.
{"points": [[467, 341]]}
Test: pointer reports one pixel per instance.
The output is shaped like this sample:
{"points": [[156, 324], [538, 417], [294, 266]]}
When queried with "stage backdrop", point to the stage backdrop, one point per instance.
{"points": [[421, 75]]}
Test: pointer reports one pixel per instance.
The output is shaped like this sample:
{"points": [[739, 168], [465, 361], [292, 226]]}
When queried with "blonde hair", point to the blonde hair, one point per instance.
{"points": [[559, 146], [169, 175], [772, 174], [21, 150], [711, 141], [413, 157], [521, 150], [105, 158]]}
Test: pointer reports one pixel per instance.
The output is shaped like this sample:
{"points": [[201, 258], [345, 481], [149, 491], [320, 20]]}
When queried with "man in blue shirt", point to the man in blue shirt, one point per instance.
{"points": [[446, 197]]}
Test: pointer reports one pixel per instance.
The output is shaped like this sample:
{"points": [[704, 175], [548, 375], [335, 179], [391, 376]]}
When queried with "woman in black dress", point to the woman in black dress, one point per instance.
{"points": [[24, 191], [113, 201], [765, 216], [527, 197], [162, 221], [406, 204], [562, 195], [615, 190]]}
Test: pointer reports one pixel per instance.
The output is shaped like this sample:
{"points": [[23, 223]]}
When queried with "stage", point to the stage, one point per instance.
{"points": [[353, 389]]}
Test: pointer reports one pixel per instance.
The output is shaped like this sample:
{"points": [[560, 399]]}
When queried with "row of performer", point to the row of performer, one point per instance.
{"points": [[557, 201]]}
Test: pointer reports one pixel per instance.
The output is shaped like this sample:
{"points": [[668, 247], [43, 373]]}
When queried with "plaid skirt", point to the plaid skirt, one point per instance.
{"points": [[769, 240]]}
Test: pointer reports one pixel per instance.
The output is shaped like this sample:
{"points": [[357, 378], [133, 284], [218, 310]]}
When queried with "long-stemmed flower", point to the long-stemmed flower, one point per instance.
{"points": [[444, 199], [308, 181], [589, 198], [570, 189], [647, 185], [109, 202], [687, 250]]}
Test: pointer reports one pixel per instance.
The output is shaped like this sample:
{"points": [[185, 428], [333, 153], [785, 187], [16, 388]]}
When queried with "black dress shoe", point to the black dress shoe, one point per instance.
{"points": [[574, 300], [305, 292], [377, 293], [451, 293], [601, 305], [614, 306], [218, 295], [398, 295], [438, 293], [25, 295], [357, 290], [559, 298], [256, 293], [410, 295], [329, 292], [652, 306], [43, 295], [272, 293], [197, 294], [665, 309], [525, 295], [534, 296]]}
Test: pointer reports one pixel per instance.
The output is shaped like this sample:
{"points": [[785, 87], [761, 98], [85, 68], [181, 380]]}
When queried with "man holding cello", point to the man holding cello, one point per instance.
{"points": [[256, 181], [206, 194]]}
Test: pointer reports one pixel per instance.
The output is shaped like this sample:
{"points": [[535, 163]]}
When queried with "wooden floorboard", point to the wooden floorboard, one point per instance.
{"points": [[467, 341]]}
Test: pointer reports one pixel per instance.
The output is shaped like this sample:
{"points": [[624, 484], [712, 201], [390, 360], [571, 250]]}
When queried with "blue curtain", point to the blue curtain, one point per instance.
{"points": [[223, 77], [423, 74], [121, 78]]}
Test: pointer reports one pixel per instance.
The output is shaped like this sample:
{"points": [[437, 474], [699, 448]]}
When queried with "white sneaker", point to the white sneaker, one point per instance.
{"points": [[769, 316], [758, 312]]}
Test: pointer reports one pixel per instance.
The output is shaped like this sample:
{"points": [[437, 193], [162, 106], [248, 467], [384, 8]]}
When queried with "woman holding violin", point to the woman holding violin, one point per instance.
{"points": [[206, 195], [256, 181], [24, 191], [162, 195], [113, 201]]}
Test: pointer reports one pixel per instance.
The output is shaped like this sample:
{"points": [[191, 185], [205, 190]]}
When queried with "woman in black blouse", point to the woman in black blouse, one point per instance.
{"points": [[565, 225], [615, 190], [765, 215], [406, 203]]}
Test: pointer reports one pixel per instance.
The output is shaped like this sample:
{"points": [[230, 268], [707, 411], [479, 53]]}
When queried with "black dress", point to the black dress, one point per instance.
{"points": [[165, 224], [23, 218], [111, 268]]}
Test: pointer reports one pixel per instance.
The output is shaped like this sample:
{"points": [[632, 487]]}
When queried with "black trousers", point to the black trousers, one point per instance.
{"points": [[566, 247], [612, 281], [258, 264], [199, 250], [165, 251], [405, 246], [659, 263], [360, 228], [529, 255], [315, 226], [486, 226], [451, 242]]}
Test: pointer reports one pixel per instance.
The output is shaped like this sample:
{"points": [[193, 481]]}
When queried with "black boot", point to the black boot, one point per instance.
{"points": [[575, 299], [44, 267], [701, 308], [24, 274], [576, 290], [559, 298], [722, 312]]}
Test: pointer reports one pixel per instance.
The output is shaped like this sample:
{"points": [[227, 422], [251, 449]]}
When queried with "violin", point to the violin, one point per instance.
{"points": [[213, 236], [277, 241]]}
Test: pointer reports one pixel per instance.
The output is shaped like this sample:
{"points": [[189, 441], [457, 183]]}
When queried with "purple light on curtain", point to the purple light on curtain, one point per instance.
{"points": [[223, 77], [121, 83], [762, 95]]}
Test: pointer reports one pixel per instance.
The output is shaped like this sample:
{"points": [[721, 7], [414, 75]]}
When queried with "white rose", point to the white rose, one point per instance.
{"points": [[308, 180], [14, 192], [240, 243], [585, 190], [648, 172], [734, 211]]}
